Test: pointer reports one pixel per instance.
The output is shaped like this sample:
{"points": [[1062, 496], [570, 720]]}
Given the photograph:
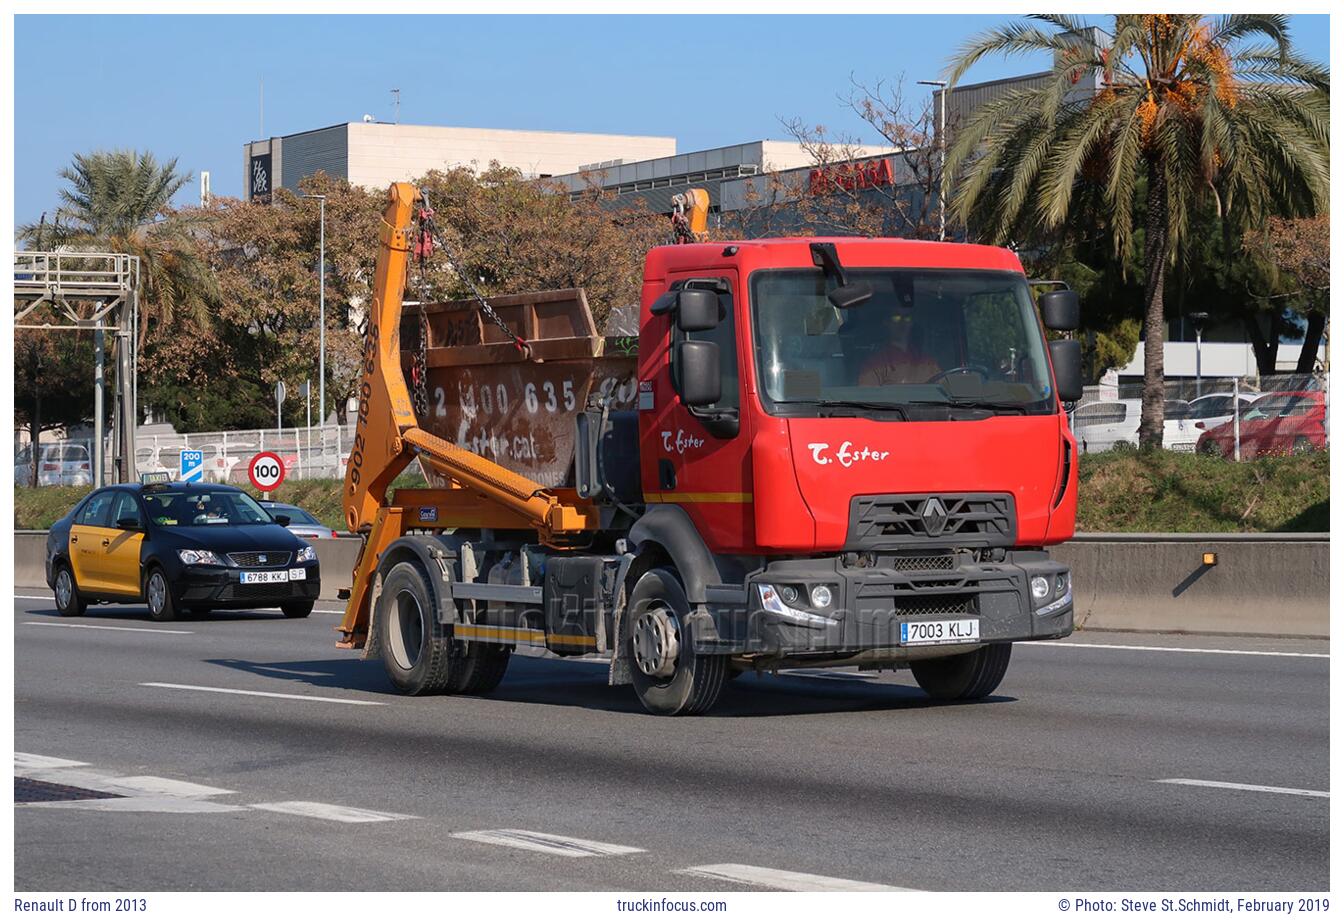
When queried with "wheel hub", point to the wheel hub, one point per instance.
{"points": [[656, 644], [63, 588]]}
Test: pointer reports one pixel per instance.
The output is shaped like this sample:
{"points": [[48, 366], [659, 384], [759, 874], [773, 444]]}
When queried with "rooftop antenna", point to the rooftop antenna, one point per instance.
{"points": [[396, 106]]}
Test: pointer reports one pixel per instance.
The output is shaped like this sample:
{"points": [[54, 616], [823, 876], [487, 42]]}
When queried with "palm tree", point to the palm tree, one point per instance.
{"points": [[1191, 109], [120, 201]]}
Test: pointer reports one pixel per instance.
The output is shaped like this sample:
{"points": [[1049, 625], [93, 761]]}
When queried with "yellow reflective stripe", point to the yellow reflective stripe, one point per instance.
{"points": [[469, 631], [727, 498]]}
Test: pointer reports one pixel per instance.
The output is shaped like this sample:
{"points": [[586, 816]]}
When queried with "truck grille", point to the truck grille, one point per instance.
{"points": [[944, 562], [270, 559], [962, 520]]}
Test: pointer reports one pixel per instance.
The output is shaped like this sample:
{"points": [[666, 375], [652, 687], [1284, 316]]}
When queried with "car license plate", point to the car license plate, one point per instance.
{"points": [[939, 632], [263, 578], [298, 574]]}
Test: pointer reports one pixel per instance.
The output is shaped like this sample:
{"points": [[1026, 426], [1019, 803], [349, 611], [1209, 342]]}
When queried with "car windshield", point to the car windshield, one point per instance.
{"points": [[939, 337], [202, 507], [296, 514]]}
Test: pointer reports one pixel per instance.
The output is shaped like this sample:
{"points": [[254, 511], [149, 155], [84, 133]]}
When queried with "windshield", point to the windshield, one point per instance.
{"points": [[203, 507], [940, 337], [296, 514]]}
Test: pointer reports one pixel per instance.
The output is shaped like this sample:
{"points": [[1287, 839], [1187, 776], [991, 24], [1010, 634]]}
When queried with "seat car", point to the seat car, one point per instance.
{"points": [[1283, 422], [1103, 425], [302, 524], [178, 547]]}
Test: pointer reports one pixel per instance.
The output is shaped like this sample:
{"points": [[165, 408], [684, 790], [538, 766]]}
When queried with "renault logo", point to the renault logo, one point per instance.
{"points": [[934, 516]]}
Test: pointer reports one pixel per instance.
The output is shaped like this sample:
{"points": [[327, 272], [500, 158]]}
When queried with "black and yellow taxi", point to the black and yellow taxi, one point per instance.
{"points": [[178, 547]]}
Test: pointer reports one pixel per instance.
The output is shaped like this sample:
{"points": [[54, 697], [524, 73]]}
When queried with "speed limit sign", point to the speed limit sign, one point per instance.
{"points": [[266, 470]]}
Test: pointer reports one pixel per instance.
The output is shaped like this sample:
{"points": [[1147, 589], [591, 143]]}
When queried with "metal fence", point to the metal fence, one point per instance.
{"points": [[1234, 417]]}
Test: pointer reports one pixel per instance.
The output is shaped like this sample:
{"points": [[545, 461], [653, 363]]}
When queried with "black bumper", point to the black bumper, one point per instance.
{"points": [[221, 588], [870, 605]]}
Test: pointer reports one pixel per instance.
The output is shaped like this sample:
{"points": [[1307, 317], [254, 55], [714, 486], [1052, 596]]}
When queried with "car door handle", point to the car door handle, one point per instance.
{"points": [[74, 539], [106, 542]]}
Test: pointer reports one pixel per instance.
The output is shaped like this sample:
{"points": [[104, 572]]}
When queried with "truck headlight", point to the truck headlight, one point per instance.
{"points": [[306, 554], [773, 603], [199, 557], [1040, 588], [821, 597]]}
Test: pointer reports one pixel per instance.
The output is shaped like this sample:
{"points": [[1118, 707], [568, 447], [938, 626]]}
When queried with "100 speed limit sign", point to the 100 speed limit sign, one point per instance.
{"points": [[266, 470]]}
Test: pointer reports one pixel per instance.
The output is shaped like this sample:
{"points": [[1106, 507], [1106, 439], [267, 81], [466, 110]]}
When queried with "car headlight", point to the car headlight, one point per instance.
{"points": [[307, 554], [199, 557]]}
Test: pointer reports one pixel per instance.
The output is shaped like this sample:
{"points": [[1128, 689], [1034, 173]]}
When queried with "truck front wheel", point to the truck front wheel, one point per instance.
{"points": [[669, 677], [972, 676], [416, 648]]}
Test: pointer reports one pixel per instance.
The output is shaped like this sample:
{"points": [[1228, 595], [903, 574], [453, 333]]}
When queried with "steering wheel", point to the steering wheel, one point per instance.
{"points": [[981, 370]]}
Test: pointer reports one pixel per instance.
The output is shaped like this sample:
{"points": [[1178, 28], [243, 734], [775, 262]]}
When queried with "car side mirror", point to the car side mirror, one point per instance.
{"points": [[698, 310], [282, 519], [129, 523], [698, 381], [1066, 356], [1060, 310]]}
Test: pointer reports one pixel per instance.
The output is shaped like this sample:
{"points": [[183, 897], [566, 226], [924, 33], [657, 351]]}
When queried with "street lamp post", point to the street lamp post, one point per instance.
{"points": [[942, 153], [1198, 319], [321, 308]]}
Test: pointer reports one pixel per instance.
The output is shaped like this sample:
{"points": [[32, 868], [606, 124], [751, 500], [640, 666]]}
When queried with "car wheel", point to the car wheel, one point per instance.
{"points": [[68, 601], [159, 597], [297, 610], [1211, 448], [1301, 444]]}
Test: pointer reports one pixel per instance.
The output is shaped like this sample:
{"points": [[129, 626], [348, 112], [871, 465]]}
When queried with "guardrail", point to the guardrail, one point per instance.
{"points": [[1257, 584]]}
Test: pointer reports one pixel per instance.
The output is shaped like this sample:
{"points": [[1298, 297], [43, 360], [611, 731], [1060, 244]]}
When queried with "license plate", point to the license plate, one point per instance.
{"points": [[263, 578], [298, 574], [939, 632]]}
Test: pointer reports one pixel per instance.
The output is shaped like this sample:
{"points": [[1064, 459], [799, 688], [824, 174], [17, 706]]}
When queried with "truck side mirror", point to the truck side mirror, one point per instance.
{"points": [[1060, 310], [1066, 355], [698, 310], [698, 381]]}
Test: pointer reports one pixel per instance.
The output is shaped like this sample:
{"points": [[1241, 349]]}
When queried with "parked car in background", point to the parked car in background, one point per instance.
{"points": [[57, 465], [301, 523], [1103, 425], [1282, 422], [1212, 409]]}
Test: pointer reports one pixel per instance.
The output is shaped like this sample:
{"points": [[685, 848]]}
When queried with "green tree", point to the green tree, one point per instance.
{"points": [[1191, 109]]}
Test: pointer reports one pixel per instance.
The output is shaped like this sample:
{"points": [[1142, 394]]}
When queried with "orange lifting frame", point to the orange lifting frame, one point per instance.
{"points": [[388, 438]]}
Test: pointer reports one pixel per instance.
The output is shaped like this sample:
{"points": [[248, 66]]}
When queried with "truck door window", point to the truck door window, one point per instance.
{"points": [[724, 335]]}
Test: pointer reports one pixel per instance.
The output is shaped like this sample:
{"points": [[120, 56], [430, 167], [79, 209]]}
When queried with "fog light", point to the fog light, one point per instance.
{"points": [[1061, 584], [1040, 587], [789, 593], [821, 596]]}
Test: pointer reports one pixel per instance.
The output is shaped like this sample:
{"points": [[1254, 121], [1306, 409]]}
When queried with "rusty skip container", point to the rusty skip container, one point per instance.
{"points": [[485, 396]]}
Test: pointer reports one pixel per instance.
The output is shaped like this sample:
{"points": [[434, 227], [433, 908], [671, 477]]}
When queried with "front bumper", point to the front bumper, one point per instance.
{"points": [[870, 603], [219, 587]]}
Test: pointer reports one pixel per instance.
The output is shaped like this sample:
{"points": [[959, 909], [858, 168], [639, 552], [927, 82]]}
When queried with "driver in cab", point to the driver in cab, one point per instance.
{"points": [[883, 332]]}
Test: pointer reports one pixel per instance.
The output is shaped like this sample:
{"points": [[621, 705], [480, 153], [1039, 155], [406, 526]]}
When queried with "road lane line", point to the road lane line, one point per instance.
{"points": [[160, 785], [148, 629], [1246, 787], [24, 761], [153, 804], [553, 844], [342, 813], [280, 696], [782, 880], [1162, 648]]}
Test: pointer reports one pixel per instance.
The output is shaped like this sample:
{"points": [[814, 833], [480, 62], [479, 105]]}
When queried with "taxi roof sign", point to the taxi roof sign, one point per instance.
{"points": [[149, 479]]}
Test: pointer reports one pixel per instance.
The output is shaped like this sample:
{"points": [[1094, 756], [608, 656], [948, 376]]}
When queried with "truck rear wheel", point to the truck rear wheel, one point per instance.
{"points": [[417, 650], [972, 676], [482, 668], [669, 677]]}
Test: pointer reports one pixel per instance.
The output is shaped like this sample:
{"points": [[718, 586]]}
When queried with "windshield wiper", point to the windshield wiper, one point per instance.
{"points": [[1017, 408], [874, 405]]}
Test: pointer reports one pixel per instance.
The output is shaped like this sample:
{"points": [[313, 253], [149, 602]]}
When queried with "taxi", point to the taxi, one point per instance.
{"points": [[178, 547]]}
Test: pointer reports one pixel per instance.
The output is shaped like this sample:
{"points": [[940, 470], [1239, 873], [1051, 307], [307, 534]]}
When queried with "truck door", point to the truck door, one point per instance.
{"points": [[702, 461], [87, 536], [121, 554]]}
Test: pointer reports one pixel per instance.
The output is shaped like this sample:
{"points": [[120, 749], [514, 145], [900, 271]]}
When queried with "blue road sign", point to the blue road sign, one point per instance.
{"points": [[193, 466]]}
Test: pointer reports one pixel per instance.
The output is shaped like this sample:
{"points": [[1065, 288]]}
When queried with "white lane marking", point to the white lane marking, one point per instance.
{"points": [[1246, 787], [342, 813], [23, 762], [553, 844], [1173, 648], [159, 785], [782, 880], [34, 597], [149, 786], [161, 804], [280, 696], [175, 632]]}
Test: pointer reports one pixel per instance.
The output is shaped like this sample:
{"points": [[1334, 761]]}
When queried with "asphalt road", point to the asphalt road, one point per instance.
{"points": [[1056, 783]]}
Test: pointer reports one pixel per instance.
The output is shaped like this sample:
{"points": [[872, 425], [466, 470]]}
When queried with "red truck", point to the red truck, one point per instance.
{"points": [[828, 452]]}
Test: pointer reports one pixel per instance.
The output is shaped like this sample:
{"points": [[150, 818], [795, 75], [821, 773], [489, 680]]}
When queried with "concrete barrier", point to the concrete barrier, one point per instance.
{"points": [[1262, 584]]}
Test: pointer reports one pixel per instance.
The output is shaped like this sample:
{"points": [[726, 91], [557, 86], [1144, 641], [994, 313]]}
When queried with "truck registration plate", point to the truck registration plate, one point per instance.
{"points": [[939, 632], [263, 578]]}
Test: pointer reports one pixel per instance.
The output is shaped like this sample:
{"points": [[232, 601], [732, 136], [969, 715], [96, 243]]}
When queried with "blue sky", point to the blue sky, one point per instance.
{"points": [[187, 86]]}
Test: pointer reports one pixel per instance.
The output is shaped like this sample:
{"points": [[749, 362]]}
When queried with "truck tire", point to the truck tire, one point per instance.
{"points": [[482, 668], [68, 601], [669, 677], [972, 676], [417, 650]]}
